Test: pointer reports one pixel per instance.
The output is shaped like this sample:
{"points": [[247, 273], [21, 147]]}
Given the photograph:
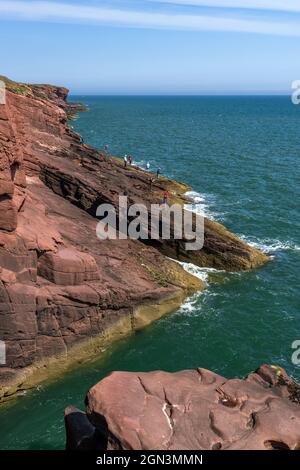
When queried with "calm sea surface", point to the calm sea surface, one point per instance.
{"points": [[241, 156]]}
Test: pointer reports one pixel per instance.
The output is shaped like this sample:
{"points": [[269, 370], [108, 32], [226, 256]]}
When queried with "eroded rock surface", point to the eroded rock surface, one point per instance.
{"points": [[188, 410]]}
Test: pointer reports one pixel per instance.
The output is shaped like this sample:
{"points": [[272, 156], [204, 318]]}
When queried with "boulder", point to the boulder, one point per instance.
{"points": [[191, 410], [81, 434]]}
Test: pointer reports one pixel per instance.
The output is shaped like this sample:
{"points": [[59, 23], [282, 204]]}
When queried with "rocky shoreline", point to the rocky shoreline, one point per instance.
{"points": [[61, 289]]}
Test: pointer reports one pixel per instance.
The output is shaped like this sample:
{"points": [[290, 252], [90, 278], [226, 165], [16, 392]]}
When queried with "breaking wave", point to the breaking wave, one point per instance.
{"points": [[202, 204], [270, 245], [200, 273]]}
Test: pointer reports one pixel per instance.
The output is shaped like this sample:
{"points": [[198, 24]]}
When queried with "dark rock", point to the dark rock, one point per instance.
{"points": [[80, 433]]}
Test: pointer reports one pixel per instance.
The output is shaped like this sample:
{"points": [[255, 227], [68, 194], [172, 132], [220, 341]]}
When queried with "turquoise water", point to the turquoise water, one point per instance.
{"points": [[241, 155]]}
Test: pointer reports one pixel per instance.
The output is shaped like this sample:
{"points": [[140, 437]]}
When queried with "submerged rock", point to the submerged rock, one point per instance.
{"points": [[189, 410]]}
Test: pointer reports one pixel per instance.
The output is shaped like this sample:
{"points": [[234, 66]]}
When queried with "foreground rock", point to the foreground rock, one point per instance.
{"points": [[188, 410], [59, 285]]}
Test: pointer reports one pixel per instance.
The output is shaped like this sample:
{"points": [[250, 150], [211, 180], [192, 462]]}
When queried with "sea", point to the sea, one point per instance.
{"points": [[241, 157]]}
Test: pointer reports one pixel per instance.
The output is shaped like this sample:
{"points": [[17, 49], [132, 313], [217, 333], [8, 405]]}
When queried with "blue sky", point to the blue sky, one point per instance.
{"points": [[153, 46]]}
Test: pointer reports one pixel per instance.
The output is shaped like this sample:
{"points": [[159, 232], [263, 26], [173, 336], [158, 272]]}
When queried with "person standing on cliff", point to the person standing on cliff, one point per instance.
{"points": [[130, 160], [158, 172], [148, 166], [106, 148], [166, 197], [125, 161]]}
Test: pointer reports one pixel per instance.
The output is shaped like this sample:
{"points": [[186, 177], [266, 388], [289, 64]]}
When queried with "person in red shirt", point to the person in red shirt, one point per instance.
{"points": [[166, 197]]}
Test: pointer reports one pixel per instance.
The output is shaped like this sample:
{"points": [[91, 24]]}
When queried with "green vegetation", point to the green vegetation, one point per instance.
{"points": [[43, 91], [18, 88]]}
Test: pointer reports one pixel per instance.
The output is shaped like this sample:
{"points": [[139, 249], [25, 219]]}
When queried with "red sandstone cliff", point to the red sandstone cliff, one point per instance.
{"points": [[59, 285]]}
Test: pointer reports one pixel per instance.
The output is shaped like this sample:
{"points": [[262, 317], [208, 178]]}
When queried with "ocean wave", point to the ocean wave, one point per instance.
{"points": [[194, 306], [139, 164], [201, 204], [200, 273], [190, 304], [270, 245], [197, 271]]}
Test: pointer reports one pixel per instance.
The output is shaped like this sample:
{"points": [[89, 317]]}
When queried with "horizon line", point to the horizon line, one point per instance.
{"points": [[285, 94]]}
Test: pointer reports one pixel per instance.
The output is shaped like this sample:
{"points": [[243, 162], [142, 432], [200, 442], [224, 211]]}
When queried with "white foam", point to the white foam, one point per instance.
{"points": [[196, 197], [190, 304], [138, 165], [269, 245], [200, 273], [142, 164], [201, 204]]}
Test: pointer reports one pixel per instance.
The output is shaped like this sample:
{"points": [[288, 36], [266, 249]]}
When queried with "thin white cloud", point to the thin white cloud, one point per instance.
{"points": [[275, 5], [60, 12]]}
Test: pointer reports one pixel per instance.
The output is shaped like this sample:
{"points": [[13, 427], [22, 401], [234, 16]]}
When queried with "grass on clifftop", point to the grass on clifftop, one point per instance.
{"points": [[43, 91], [14, 87]]}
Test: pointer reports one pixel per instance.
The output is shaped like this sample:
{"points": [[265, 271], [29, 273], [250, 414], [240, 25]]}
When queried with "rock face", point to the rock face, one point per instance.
{"points": [[59, 285], [188, 410], [68, 267]]}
